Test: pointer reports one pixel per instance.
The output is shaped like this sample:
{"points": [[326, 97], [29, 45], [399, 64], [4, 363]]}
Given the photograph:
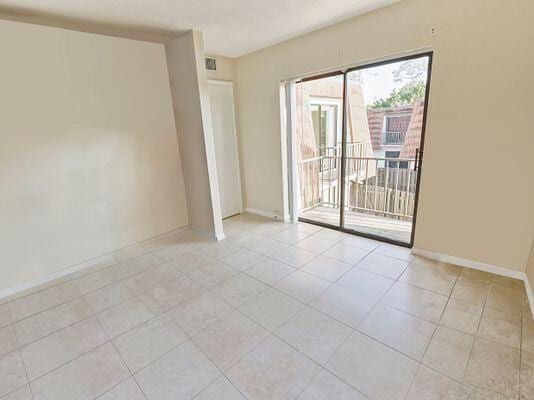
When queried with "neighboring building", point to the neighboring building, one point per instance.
{"points": [[389, 133], [319, 108], [396, 131], [412, 140]]}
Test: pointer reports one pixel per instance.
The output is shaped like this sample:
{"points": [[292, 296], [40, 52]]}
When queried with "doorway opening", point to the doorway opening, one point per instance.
{"points": [[222, 106], [357, 140]]}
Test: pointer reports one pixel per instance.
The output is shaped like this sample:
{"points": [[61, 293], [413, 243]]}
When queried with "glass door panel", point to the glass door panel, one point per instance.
{"points": [[385, 109], [319, 106]]}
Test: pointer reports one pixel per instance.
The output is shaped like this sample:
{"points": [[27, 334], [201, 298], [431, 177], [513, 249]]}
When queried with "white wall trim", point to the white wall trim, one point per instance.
{"points": [[236, 139], [289, 110], [462, 262], [494, 269], [262, 213], [530, 294], [108, 257]]}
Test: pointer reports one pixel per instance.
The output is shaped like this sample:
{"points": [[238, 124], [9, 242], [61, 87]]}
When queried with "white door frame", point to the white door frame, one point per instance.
{"points": [[236, 146], [289, 148]]}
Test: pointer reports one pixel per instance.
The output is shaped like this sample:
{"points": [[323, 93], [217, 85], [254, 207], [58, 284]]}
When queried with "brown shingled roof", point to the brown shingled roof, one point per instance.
{"points": [[412, 140]]}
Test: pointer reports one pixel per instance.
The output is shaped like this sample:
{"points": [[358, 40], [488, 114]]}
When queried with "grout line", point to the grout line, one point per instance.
{"points": [[94, 315], [377, 301], [323, 313], [115, 386], [223, 374], [165, 311], [83, 295], [21, 358], [475, 339], [122, 359], [109, 340], [520, 357], [307, 305], [419, 363], [437, 325], [323, 366], [178, 231]]}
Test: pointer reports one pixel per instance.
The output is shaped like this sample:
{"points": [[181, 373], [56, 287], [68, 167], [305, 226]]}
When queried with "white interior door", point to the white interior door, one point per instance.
{"points": [[225, 137]]}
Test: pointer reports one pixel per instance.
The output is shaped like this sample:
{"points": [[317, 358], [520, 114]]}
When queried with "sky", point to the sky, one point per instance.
{"points": [[378, 82]]}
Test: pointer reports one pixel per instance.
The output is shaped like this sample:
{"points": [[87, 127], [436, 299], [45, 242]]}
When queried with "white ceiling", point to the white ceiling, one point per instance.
{"points": [[231, 27]]}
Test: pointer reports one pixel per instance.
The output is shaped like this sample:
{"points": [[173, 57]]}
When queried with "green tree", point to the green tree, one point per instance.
{"points": [[411, 71], [403, 96]]}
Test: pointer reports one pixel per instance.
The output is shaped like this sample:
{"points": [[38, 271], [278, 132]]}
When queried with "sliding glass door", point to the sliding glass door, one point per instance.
{"points": [[359, 147], [319, 129]]}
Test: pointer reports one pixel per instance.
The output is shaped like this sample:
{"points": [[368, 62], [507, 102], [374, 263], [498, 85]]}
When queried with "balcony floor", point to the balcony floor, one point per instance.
{"points": [[370, 224]]}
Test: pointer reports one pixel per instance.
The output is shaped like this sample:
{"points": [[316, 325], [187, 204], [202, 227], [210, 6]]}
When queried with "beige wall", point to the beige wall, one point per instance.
{"points": [[475, 202], [226, 69], [89, 158], [189, 88]]}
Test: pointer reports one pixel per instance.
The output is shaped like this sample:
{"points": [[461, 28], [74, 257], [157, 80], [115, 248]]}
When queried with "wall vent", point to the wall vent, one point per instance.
{"points": [[211, 64]]}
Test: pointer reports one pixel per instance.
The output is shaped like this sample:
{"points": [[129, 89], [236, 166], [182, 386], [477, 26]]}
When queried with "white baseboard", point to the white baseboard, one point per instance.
{"points": [[102, 259], [530, 294], [462, 262], [262, 213], [494, 269]]}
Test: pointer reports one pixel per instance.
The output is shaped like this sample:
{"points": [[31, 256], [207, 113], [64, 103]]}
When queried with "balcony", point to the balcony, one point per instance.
{"points": [[393, 138], [379, 193]]}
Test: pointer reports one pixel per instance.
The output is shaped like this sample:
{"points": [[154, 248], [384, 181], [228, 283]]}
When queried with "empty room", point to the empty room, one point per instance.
{"points": [[277, 200]]}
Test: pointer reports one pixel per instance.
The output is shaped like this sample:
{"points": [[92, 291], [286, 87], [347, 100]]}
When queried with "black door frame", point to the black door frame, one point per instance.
{"points": [[418, 162]]}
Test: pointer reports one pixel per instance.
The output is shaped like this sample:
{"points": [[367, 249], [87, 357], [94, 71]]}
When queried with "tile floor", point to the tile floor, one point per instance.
{"points": [[274, 312]]}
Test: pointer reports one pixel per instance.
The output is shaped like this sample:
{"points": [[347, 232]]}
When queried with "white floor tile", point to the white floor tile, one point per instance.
{"points": [[373, 368], [383, 265], [239, 289], [128, 315], [302, 286], [271, 308], [221, 389], [86, 377], [413, 300], [273, 371], [57, 349], [314, 334], [346, 253], [150, 340], [404, 332], [327, 386], [294, 256], [12, 373], [326, 268], [180, 374], [344, 305], [269, 271], [366, 283], [199, 312], [127, 390], [230, 338], [50, 321]]}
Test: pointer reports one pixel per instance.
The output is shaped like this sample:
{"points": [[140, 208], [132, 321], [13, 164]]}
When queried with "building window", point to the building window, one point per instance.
{"points": [[395, 127], [326, 121], [325, 126]]}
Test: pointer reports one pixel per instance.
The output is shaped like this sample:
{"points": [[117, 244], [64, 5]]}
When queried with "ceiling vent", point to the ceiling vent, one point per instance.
{"points": [[211, 64]]}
